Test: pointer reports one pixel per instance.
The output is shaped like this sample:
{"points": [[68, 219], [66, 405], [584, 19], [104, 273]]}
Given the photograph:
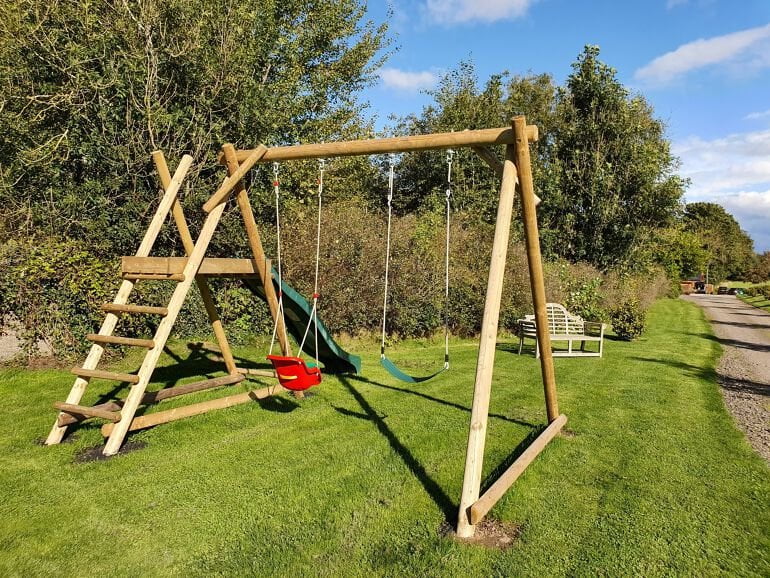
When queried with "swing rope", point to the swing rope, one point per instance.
{"points": [[384, 361], [279, 312], [314, 313]]}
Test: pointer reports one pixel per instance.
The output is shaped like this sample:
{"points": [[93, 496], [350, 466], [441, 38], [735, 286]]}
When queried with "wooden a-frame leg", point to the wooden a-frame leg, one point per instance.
{"points": [[474, 459], [535, 262], [121, 298], [163, 331], [257, 250], [203, 286]]}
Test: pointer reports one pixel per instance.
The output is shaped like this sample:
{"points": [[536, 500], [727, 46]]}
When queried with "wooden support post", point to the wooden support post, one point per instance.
{"points": [[160, 417], [203, 286], [505, 481], [534, 259], [255, 244], [111, 319], [164, 330], [486, 358]]}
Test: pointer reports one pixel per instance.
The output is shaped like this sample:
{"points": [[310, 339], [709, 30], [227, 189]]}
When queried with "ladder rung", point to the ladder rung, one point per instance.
{"points": [[87, 411], [127, 377], [115, 308], [117, 340], [69, 418], [154, 276]]}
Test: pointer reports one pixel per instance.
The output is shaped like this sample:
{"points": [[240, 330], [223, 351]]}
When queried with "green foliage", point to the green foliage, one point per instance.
{"points": [[612, 169], [89, 90], [52, 290], [628, 320], [729, 249]]}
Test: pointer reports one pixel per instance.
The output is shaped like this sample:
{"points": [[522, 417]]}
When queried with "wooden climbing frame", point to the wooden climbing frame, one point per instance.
{"points": [[121, 418]]}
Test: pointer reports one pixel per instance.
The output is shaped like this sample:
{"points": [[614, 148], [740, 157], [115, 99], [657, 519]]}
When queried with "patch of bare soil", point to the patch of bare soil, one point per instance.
{"points": [[95, 454], [489, 534], [744, 369]]}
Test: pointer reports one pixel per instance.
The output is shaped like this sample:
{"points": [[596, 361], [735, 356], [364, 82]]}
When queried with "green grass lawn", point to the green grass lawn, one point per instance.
{"points": [[759, 302], [652, 478]]}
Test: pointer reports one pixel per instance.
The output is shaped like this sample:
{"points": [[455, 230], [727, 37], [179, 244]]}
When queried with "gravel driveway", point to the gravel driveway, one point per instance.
{"points": [[744, 370]]}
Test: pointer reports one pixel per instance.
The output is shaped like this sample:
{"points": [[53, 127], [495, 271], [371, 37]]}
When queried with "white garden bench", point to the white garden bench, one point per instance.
{"points": [[564, 326]]}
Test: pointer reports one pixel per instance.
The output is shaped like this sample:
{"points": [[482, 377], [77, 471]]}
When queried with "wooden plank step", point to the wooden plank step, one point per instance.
{"points": [[127, 377], [117, 308], [87, 411], [210, 266], [66, 419], [118, 340], [154, 276]]}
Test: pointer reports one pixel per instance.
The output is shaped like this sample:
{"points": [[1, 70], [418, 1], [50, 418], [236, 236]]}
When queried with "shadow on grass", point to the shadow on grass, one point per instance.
{"points": [[686, 368], [733, 342], [434, 490], [203, 362], [510, 458], [739, 324], [436, 399]]}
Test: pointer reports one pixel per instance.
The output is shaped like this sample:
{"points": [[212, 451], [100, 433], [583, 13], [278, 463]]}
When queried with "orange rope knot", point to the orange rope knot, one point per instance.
{"points": [[316, 295]]}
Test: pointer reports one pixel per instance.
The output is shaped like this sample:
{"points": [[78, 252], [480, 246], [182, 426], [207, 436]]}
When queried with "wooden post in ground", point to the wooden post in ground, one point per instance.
{"points": [[474, 459], [255, 243], [111, 319], [537, 283], [203, 286]]}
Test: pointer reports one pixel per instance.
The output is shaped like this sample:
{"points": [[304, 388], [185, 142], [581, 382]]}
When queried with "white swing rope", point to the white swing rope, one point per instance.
{"points": [[449, 157], [314, 313], [448, 195], [391, 172], [279, 313]]}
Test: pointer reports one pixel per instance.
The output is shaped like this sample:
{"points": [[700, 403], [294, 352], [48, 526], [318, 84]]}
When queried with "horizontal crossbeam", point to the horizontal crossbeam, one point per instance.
{"points": [[422, 142]]}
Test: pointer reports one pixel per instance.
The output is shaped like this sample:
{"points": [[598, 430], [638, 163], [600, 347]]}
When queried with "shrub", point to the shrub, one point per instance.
{"points": [[628, 319]]}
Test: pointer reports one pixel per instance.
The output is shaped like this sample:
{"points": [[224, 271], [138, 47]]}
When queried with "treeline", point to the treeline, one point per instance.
{"points": [[89, 90]]}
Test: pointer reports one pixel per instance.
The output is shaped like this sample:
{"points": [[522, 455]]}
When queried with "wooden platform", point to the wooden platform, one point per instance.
{"points": [[210, 267]]}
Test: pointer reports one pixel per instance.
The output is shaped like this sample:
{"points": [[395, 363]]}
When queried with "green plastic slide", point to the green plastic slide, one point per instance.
{"points": [[297, 312]]}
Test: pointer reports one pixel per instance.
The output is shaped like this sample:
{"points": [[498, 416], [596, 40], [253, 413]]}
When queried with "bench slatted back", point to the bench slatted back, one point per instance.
{"points": [[560, 321]]}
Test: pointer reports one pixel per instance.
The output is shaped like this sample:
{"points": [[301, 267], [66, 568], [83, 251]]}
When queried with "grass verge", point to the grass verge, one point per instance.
{"points": [[653, 478], [760, 302]]}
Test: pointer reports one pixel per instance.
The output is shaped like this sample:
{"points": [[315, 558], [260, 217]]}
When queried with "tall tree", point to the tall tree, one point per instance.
{"points": [[612, 169], [730, 250], [89, 89], [462, 103]]}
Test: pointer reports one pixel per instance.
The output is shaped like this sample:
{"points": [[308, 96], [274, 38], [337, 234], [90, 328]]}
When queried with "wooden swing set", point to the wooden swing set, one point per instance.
{"points": [[122, 416]]}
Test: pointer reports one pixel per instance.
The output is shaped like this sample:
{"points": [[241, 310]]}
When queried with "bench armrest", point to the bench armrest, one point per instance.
{"points": [[594, 328]]}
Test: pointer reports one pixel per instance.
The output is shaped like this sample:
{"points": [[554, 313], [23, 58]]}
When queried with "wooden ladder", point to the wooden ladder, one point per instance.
{"points": [[196, 252]]}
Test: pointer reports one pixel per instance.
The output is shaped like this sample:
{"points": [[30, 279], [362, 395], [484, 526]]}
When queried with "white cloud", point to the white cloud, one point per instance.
{"points": [[747, 49], [673, 3], [407, 81], [458, 11], [757, 115], [733, 171]]}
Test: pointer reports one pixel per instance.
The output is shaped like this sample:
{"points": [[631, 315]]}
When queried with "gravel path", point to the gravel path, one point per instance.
{"points": [[744, 370]]}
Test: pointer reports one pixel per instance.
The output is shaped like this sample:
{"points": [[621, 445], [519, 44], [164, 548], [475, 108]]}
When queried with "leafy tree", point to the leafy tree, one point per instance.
{"points": [[461, 104], [760, 270], [611, 167], [89, 89], [730, 250]]}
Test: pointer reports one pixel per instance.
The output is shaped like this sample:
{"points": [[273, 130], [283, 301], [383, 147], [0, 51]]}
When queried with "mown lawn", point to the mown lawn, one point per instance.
{"points": [[652, 478], [759, 302]]}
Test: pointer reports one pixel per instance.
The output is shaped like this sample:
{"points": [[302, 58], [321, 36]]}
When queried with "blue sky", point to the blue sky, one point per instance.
{"points": [[703, 64]]}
